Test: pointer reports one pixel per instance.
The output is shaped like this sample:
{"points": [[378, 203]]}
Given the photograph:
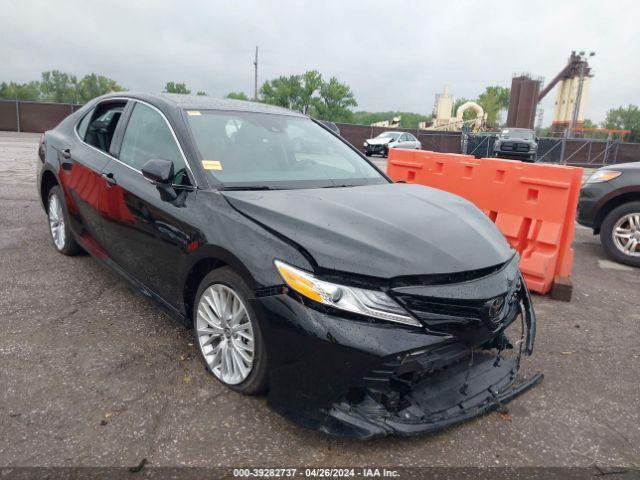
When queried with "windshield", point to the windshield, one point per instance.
{"points": [[260, 150], [517, 133], [393, 135]]}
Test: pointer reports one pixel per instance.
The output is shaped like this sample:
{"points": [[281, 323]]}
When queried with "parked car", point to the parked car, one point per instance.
{"points": [[381, 144], [516, 143], [302, 269], [610, 205]]}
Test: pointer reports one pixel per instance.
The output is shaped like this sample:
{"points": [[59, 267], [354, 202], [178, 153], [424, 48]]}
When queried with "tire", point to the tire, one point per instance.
{"points": [[227, 347], [617, 218], [59, 229]]}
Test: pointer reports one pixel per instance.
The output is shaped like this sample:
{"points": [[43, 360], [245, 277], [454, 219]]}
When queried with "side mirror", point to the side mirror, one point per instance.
{"points": [[160, 173], [537, 139]]}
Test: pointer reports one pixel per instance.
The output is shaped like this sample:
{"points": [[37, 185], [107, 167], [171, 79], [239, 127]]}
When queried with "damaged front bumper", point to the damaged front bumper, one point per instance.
{"points": [[352, 377]]}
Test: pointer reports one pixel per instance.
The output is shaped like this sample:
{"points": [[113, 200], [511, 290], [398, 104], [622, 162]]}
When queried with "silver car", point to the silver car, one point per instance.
{"points": [[382, 143]]}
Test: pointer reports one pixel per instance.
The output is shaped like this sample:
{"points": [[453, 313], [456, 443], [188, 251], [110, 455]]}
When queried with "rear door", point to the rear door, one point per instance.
{"points": [[146, 236], [412, 141], [81, 164]]}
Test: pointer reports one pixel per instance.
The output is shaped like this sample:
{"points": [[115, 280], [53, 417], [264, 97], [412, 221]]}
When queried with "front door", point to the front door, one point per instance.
{"points": [[146, 236]]}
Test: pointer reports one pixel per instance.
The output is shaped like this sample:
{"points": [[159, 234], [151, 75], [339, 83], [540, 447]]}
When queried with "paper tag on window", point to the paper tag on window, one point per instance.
{"points": [[211, 165], [193, 113]]}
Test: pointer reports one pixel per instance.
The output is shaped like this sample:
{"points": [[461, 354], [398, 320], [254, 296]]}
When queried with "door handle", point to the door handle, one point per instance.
{"points": [[108, 177]]}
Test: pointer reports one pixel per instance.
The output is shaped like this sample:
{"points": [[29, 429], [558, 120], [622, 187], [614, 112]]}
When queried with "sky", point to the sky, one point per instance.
{"points": [[394, 55]]}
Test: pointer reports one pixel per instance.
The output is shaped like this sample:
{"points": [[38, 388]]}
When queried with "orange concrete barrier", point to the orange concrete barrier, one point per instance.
{"points": [[533, 205]]}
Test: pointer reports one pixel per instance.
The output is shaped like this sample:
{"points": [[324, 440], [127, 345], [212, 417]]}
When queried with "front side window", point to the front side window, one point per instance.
{"points": [[245, 149], [149, 137]]}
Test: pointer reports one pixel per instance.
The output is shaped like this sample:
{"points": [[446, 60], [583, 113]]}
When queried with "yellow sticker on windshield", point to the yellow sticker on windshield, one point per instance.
{"points": [[211, 165], [193, 113]]}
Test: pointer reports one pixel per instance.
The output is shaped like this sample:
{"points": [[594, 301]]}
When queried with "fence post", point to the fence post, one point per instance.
{"points": [[18, 114]]}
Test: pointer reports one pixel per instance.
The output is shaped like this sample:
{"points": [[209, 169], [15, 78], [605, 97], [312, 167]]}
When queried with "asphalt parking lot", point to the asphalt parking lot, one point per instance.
{"points": [[91, 373]]}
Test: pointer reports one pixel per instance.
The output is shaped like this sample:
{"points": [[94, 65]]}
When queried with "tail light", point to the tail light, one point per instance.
{"points": [[41, 148]]}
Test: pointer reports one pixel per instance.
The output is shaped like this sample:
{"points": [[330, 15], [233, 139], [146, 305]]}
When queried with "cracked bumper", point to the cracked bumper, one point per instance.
{"points": [[359, 378]]}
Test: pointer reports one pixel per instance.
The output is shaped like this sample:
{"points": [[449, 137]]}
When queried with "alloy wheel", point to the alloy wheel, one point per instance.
{"points": [[225, 334], [56, 222], [626, 234]]}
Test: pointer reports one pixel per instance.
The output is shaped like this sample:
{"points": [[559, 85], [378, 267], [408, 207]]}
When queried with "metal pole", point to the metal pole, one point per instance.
{"points": [[255, 80], [17, 113]]}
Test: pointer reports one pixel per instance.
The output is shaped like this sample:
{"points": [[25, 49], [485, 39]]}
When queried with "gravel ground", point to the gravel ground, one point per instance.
{"points": [[92, 374]]}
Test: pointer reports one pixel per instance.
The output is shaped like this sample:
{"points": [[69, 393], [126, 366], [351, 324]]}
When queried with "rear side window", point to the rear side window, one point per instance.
{"points": [[148, 137], [83, 124], [103, 125]]}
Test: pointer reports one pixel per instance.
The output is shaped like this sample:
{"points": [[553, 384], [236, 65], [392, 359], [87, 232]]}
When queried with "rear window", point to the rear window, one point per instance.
{"points": [[81, 127]]}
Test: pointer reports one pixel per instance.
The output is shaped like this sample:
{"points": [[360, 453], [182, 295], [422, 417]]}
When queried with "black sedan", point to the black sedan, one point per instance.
{"points": [[610, 205], [303, 270]]}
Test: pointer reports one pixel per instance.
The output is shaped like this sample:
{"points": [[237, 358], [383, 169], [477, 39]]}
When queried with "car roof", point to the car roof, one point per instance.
{"points": [[204, 102]]}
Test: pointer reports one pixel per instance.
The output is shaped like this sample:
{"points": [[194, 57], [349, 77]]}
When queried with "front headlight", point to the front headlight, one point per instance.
{"points": [[603, 176], [366, 144], [372, 303]]}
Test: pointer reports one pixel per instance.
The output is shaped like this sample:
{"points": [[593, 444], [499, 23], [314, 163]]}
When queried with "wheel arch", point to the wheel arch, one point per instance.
{"points": [[210, 258], [611, 203], [47, 182]]}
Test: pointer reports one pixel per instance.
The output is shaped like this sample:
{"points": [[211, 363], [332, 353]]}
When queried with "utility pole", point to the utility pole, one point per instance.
{"points": [[255, 80]]}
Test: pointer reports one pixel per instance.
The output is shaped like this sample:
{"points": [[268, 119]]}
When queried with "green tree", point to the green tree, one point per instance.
{"points": [[624, 119], [310, 83], [57, 86], [493, 100], [237, 96], [407, 119], [92, 86], [20, 91], [201, 93], [282, 91], [335, 100], [173, 87]]}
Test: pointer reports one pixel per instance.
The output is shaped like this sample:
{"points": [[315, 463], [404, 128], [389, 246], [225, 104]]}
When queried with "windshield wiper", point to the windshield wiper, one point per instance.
{"points": [[248, 187]]}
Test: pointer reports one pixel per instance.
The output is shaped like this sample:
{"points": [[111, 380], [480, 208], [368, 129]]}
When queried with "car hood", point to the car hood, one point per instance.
{"points": [[623, 166], [385, 230], [379, 141]]}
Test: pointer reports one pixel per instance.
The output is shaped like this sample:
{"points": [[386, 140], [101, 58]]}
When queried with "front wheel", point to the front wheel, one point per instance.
{"points": [[228, 333], [620, 234], [59, 223]]}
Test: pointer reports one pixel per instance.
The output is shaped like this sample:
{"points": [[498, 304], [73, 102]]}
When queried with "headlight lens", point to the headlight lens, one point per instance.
{"points": [[603, 176], [372, 303], [366, 144]]}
